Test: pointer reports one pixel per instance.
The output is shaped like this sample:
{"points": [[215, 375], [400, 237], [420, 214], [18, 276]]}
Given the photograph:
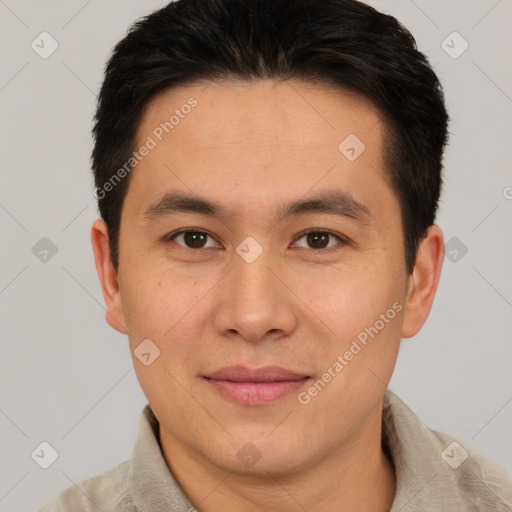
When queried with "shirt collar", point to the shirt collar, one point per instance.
{"points": [[153, 487], [422, 476]]}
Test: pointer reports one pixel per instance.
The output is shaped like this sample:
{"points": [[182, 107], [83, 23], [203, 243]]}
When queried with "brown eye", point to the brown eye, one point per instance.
{"points": [[191, 239], [319, 239]]}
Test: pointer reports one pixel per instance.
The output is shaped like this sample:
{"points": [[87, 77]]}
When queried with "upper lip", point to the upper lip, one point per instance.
{"points": [[239, 373]]}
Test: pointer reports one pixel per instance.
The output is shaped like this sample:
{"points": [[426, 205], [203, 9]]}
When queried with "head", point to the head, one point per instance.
{"points": [[225, 132]]}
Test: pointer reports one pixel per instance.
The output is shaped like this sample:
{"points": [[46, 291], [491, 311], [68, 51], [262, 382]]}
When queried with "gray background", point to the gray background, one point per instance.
{"points": [[67, 377]]}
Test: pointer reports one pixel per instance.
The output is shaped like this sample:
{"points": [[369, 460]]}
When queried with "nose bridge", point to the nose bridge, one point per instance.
{"points": [[256, 277], [255, 300], [253, 283]]}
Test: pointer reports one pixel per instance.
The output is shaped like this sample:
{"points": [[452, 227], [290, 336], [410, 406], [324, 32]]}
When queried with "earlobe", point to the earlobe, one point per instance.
{"points": [[108, 276], [423, 281]]}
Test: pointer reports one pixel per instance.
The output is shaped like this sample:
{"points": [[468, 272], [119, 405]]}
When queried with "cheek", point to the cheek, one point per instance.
{"points": [[364, 311], [163, 313], [146, 303], [165, 306], [348, 299]]}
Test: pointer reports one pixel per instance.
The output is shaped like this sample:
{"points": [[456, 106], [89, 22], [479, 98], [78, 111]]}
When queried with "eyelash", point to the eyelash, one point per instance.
{"points": [[343, 240]]}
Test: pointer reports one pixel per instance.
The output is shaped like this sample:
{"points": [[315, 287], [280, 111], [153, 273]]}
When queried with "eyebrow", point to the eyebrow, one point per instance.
{"points": [[333, 202]]}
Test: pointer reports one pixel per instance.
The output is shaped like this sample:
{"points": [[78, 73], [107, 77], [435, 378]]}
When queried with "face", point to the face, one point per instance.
{"points": [[275, 296]]}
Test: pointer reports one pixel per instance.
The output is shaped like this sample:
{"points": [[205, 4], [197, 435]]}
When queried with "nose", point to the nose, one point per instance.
{"points": [[255, 303]]}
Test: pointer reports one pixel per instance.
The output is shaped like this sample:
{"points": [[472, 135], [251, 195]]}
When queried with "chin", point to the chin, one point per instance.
{"points": [[260, 458]]}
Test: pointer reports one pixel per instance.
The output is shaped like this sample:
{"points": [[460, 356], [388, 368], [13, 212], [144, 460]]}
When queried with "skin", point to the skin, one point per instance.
{"points": [[253, 147]]}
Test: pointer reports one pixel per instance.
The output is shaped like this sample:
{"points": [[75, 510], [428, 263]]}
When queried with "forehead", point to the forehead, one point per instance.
{"points": [[258, 140], [263, 112]]}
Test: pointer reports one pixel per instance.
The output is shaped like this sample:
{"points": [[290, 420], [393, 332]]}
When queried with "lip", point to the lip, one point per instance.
{"points": [[257, 386]]}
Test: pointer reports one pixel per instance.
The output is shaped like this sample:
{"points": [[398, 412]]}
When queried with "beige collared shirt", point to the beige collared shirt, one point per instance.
{"points": [[434, 473]]}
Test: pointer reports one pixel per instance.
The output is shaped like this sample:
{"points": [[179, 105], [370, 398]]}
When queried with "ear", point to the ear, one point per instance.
{"points": [[108, 276], [423, 281]]}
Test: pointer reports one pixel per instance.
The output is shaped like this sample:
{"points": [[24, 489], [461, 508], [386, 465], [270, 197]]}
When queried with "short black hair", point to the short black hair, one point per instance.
{"points": [[343, 43]]}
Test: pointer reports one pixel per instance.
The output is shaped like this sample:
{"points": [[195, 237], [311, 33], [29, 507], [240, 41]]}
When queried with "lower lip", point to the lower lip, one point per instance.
{"points": [[257, 393]]}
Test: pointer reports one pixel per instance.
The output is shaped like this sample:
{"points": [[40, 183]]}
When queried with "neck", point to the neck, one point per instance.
{"points": [[355, 476]]}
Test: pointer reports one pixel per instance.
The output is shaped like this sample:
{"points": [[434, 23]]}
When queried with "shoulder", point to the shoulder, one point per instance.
{"points": [[107, 491], [478, 481], [436, 471]]}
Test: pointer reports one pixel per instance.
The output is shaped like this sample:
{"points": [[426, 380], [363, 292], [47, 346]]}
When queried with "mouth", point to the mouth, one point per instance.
{"points": [[258, 386]]}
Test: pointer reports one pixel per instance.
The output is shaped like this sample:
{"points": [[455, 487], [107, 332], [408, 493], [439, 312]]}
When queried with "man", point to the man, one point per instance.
{"points": [[268, 175]]}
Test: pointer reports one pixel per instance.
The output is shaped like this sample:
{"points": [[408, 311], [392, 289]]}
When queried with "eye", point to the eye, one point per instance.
{"points": [[320, 239], [196, 239], [191, 239]]}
